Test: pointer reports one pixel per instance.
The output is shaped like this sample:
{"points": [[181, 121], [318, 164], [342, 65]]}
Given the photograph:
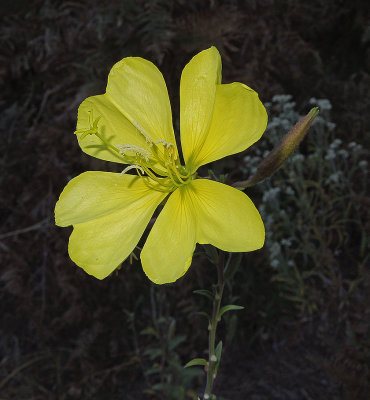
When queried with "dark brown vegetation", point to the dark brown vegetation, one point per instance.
{"points": [[65, 335]]}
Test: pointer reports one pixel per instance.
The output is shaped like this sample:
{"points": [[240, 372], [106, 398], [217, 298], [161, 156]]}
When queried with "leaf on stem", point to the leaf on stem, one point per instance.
{"points": [[196, 361], [218, 351], [230, 307]]}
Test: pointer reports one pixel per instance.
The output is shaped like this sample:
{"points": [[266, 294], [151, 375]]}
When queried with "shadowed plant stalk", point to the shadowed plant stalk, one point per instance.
{"points": [[224, 273], [214, 358]]}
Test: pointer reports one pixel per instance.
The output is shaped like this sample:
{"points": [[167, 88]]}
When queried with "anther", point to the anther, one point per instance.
{"points": [[167, 145], [124, 148], [142, 131], [128, 168]]}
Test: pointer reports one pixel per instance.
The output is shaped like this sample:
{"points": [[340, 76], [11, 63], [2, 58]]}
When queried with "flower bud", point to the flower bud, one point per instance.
{"points": [[281, 151]]}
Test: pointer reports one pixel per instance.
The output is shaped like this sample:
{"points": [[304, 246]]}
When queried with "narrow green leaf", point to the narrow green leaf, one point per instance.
{"points": [[205, 293], [218, 351], [196, 361], [228, 308]]}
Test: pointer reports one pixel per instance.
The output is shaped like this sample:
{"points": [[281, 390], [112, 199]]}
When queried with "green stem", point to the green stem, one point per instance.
{"points": [[212, 360]]}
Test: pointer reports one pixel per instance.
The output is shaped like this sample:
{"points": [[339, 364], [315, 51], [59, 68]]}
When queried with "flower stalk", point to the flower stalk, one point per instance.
{"points": [[213, 361]]}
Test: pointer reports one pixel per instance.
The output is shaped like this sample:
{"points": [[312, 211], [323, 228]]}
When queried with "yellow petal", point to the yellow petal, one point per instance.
{"points": [[169, 248], [226, 217], [112, 125], [239, 120], [203, 212], [197, 96], [109, 213], [138, 90]]}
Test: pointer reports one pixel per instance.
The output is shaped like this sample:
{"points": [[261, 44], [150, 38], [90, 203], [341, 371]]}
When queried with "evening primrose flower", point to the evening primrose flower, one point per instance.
{"points": [[132, 124]]}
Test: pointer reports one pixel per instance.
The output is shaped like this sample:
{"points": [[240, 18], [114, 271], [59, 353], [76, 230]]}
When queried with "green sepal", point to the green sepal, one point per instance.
{"points": [[196, 361], [230, 307], [204, 292]]}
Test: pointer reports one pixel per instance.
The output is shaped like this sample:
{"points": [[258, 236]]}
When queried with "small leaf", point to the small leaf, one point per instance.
{"points": [[218, 351], [205, 293], [228, 308], [196, 361]]}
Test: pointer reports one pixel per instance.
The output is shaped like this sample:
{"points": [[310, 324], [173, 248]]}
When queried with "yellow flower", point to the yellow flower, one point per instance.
{"points": [[132, 124]]}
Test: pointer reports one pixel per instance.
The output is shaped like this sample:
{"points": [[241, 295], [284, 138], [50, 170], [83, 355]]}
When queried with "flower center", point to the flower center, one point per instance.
{"points": [[158, 159]]}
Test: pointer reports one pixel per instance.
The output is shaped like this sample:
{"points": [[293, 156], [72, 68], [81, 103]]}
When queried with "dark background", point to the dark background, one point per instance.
{"points": [[66, 335]]}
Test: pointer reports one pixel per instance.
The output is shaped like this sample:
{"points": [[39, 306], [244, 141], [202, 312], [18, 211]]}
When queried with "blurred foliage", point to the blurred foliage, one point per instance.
{"points": [[65, 335]]}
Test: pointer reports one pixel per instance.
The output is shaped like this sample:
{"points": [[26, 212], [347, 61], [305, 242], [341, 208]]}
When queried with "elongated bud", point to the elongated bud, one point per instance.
{"points": [[281, 151]]}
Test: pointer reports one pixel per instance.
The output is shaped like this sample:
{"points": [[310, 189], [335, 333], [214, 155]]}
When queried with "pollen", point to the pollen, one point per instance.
{"points": [[124, 148], [142, 131]]}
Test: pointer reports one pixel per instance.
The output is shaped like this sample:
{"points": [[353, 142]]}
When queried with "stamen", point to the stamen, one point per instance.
{"points": [[158, 188], [174, 168], [165, 143], [151, 175], [128, 168], [159, 156], [124, 148], [166, 188], [161, 165], [173, 178], [141, 130]]}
